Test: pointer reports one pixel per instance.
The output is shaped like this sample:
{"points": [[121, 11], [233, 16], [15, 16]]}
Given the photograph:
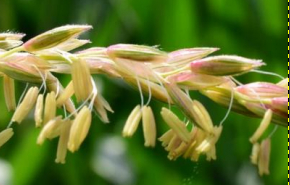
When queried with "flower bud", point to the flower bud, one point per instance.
{"points": [[24, 67], [9, 93], [54, 37], [175, 124], [224, 65], [132, 122], [79, 129], [280, 103], [26, 105], [183, 56], [5, 135], [11, 36], [136, 53], [149, 126], [260, 90], [193, 81], [8, 44]]}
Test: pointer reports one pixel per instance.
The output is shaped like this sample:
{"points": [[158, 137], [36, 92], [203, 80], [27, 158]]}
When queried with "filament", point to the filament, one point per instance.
{"points": [[230, 107]]}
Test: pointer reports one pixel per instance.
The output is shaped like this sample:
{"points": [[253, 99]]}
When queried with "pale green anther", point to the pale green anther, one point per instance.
{"points": [[49, 107], [26, 105], [9, 92], [82, 81], [132, 122], [175, 124], [5, 135], [50, 130], [149, 126], [79, 129]]}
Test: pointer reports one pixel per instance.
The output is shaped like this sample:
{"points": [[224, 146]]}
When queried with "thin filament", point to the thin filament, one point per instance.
{"points": [[230, 107], [267, 73]]}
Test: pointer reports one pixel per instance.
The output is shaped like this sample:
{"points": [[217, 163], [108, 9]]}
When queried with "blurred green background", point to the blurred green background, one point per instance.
{"points": [[249, 28]]}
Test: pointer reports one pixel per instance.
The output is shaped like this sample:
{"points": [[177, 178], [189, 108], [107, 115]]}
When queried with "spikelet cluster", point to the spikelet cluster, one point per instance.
{"points": [[164, 76]]}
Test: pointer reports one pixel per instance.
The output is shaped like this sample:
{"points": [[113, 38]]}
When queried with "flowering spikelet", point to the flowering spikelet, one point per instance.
{"points": [[26, 105], [50, 107], [149, 127], [79, 129], [263, 126], [132, 122], [81, 78], [38, 113], [9, 93], [5, 135]]}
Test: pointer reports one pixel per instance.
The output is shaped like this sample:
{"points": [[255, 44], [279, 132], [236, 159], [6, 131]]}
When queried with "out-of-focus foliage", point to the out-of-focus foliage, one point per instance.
{"points": [[249, 28]]}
